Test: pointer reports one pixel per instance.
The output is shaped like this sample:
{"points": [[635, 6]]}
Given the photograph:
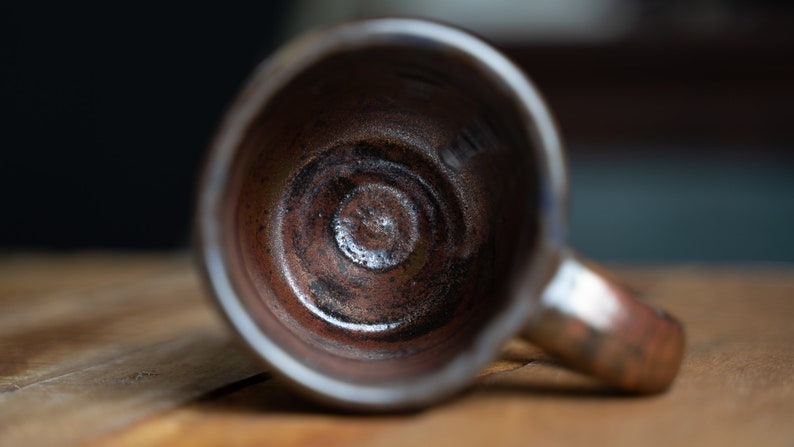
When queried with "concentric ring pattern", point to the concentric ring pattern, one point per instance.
{"points": [[369, 237]]}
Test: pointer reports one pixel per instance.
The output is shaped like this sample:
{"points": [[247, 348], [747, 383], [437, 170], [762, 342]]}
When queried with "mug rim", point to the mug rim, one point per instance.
{"points": [[269, 78]]}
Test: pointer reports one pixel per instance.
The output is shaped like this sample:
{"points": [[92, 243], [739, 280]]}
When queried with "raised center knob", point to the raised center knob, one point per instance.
{"points": [[376, 226]]}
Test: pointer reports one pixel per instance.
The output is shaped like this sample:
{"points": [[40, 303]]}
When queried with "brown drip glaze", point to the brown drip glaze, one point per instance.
{"points": [[375, 220], [384, 206]]}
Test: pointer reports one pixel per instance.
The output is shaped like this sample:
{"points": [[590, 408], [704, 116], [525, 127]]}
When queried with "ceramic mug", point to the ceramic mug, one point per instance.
{"points": [[384, 206]]}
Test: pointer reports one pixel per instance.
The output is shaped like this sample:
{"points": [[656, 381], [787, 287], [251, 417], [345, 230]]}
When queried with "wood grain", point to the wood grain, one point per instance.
{"points": [[110, 356], [105, 341]]}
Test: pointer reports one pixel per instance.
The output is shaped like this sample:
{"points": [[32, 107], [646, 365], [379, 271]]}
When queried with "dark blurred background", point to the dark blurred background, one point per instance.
{"points": [[678, 115]]}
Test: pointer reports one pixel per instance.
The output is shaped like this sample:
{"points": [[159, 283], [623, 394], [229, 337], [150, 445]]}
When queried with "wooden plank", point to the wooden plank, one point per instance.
{"points": [[736, 388], [51, 334], [28, 275], [76, 364], [145, 360]]}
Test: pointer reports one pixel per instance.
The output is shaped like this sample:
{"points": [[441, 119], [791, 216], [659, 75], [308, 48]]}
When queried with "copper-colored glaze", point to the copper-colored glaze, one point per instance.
{"points": [[374, 235], [384, 207], [589, 319]]}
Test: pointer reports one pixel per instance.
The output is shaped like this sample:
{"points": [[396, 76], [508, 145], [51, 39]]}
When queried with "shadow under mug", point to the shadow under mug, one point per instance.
{"points": [[384, 206]]}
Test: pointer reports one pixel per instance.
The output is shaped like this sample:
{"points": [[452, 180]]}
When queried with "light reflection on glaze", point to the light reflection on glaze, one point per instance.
{"points": [[577, 291]]}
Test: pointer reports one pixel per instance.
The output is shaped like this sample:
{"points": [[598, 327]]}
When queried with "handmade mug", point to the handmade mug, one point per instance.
{"points": [[384, 206]]}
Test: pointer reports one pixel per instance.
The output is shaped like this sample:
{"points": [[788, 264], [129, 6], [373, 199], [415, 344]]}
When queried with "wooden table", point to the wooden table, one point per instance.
{"points": [[117, 349]]}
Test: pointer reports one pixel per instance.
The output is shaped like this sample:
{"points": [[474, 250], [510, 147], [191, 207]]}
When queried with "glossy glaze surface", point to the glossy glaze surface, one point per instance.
{"points": [[383, 208]]}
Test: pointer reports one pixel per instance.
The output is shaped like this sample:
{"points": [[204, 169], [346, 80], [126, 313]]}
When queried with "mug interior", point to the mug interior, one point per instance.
{"points": [[381, 203]]}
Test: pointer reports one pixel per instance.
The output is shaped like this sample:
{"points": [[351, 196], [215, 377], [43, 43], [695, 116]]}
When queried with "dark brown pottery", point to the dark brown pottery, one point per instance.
{"points": [[384, 206]]}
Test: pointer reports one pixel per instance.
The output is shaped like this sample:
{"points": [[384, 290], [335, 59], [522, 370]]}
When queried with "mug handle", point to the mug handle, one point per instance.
{"points": [[599, 327]]}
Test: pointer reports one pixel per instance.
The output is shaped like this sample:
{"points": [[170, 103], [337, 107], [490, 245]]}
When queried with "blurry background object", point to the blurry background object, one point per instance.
{"points": [[677, 115], [503, 21]]}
